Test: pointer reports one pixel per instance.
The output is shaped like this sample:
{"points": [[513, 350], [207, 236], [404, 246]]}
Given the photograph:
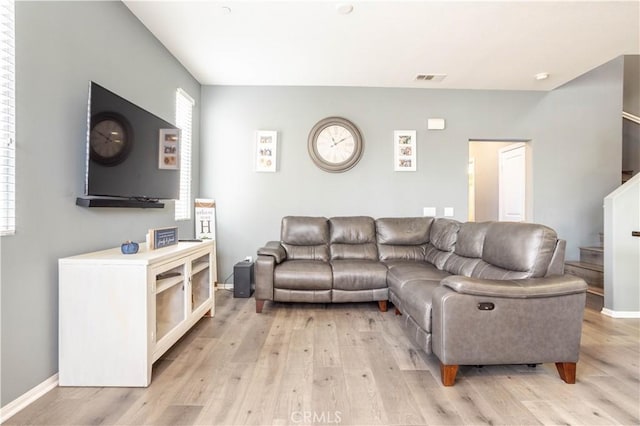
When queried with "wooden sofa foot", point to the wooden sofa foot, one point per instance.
{"points": [[398, 312], [382, 305], [448, 374], [567, 371], [259, 305]]}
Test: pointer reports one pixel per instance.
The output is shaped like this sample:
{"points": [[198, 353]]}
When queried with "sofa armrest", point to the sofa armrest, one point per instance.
{"points": [[469, 329], [264, 269], [526, 288], [275, 250]]}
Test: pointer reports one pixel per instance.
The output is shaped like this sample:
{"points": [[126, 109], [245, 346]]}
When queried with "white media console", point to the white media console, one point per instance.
{"points": [[119, 313]]}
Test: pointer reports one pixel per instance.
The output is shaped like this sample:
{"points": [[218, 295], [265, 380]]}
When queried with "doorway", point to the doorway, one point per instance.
{"points": [[499, 181]]}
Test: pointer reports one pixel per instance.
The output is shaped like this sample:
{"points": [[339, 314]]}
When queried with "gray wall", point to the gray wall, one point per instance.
{"points": [[577, 152], [60, 47], [575, 134]]}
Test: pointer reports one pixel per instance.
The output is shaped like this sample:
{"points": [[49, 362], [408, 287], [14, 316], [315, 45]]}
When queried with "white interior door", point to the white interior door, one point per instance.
{"points": [[512, 183]]}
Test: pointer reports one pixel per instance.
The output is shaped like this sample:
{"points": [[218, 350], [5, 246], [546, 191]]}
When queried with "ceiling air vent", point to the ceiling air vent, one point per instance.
{"points": [[430, 77]]}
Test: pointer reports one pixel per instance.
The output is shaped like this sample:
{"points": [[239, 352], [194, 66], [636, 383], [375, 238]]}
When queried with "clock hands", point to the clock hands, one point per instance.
{"points": [[108, 137], [336, 143]]}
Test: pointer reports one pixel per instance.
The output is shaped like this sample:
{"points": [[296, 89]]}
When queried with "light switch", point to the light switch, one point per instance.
{"points": [[429, 211], [448, 211]]}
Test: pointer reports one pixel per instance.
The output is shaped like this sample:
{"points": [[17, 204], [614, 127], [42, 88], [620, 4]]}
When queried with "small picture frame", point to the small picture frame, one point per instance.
{"points": [[266, 150], [404, 151], [169, 149], [162, 237]]}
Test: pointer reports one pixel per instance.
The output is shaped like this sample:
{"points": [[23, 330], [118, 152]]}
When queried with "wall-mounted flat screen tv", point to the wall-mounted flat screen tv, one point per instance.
{"points": [[131, 153]]}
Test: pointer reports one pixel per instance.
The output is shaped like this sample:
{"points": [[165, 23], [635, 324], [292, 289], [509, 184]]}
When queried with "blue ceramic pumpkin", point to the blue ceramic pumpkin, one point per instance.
{"points": [[129, 247]]}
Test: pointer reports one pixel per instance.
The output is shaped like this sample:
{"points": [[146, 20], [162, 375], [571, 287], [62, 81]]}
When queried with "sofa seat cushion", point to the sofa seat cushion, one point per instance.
{"points": [[358, 274], [303, 275], [460, 265], [401, 272], [416, 301]]}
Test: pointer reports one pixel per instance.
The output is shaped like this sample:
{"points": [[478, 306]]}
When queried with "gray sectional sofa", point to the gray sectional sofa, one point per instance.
{"points": [[470, 293]]}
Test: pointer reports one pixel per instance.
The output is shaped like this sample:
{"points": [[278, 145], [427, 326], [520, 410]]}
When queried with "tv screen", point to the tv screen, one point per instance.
{"points": [[131, 153]]}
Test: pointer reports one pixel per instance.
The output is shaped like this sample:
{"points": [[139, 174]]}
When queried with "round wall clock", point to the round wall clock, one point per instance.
{"points": [[110, 138], [335, 144]]}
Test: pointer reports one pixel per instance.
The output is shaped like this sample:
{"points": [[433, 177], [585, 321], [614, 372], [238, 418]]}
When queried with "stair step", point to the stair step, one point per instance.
{"points": [[595, 290], [594, 255], [594, 300], [593, 274], [584, 265]]}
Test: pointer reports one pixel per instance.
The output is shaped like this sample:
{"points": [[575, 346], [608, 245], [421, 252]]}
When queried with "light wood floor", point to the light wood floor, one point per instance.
{"points": [[351, 365]]}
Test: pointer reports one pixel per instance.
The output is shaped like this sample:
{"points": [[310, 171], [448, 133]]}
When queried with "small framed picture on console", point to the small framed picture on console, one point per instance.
{"points": [[162, 237]]}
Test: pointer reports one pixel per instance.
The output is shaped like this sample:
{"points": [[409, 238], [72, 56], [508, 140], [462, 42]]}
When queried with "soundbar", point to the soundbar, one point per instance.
{"points": [[118, 202]]}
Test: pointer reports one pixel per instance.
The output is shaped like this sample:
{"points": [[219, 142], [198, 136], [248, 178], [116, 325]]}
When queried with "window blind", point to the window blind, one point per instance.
{"points": [[184, 118], [7, 118]]}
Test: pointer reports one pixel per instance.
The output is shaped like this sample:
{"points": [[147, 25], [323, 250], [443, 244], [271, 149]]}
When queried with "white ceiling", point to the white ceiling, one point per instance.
{"points": [[477, 44]]}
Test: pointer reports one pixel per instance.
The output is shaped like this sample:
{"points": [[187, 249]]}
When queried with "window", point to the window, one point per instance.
{"points": [[7, 119], [184, 114]]}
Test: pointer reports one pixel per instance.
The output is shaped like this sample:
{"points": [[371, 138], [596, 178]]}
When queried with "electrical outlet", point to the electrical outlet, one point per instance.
{"points": [[448, 211], [429, 211], [249, 259]]}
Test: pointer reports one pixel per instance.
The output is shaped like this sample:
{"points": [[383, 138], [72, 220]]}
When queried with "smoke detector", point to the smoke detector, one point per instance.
{"points": [[430, 77]]}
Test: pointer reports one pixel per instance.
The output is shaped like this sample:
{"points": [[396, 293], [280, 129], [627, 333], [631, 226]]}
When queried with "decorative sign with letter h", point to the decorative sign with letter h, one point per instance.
{"points": [[205, 223]]}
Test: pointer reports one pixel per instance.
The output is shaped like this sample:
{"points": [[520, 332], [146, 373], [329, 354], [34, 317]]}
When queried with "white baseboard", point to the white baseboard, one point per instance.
{"points": [[27, 398], [620, 314]]}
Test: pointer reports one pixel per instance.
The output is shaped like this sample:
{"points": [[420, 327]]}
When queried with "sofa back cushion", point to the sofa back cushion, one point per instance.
{"points": [[471, 239], [403, 238], [352, 238], [468, 250], [524, 249], [442, 241], [305, 238]]}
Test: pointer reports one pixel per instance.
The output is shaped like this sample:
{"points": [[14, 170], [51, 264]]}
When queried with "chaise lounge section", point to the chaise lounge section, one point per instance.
{"points": [[470, 293]]}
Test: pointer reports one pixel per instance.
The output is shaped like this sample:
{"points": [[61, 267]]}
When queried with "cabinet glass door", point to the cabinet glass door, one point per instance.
{"points": [[200, 281], [170, 297]]}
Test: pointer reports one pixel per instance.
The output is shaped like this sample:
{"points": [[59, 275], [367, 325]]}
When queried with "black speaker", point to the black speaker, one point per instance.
{"points": [[243, 279]]}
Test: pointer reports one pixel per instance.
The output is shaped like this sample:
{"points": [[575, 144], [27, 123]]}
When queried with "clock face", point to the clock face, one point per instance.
{"points": [[109, 139], [335, 144]]}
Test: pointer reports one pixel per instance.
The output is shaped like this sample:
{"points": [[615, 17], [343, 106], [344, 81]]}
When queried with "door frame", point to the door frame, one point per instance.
{"points": [[529, 173], [471, 189]]}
